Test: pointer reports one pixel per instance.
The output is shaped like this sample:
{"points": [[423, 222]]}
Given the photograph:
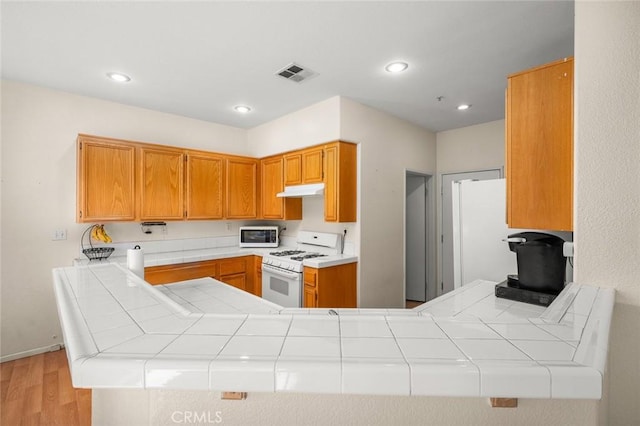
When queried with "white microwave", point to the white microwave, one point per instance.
{"points": [[258, 236]]}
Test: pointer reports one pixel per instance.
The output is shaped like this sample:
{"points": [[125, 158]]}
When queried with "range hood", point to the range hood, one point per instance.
{"points": [[302, 190]]}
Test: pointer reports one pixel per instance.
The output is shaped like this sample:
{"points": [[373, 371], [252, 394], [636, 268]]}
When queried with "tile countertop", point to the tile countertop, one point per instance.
{"points": [[185, 256], [120, 332]]}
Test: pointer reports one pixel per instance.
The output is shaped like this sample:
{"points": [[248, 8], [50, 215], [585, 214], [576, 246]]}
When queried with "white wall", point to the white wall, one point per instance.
{"points": [[472, 148], [315, 124], [39, 129], [388, 146], [607, 182]]}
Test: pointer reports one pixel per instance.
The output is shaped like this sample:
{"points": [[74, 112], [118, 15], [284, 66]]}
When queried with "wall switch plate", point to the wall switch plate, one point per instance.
{"points": [[59, 234]]}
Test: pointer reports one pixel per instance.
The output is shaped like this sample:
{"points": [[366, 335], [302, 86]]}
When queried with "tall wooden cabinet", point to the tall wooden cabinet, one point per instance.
{"points": [[539, 147], [340, 182], [272, 182], [105, 181]]}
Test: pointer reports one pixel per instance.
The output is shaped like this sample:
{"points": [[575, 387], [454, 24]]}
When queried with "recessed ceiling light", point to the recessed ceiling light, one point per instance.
{"points": [[119, 77], [463, 107], [242, 108], [395, 67]]}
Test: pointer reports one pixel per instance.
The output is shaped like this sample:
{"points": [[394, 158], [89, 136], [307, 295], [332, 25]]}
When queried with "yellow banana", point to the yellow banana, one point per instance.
{"points": [[105, 237], [94, 233]]}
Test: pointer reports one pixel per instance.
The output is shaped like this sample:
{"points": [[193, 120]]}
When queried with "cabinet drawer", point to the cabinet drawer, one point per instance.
{"points": [[236, 265], [172, 273], [310, 276]]}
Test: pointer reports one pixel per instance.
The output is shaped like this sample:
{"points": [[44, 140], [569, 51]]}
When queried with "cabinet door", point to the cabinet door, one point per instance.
{"points": [[236, 280], [205, 186], [161, 184], [241, 182], [106, 181], [293, 169], [335, 286], [540, 148], [310, 297], [312, 167], [340, 182], [271, 181], [330, 184]]}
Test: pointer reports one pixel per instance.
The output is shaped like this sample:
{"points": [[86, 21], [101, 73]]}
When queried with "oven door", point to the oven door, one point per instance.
{"points": [[282, 287]]}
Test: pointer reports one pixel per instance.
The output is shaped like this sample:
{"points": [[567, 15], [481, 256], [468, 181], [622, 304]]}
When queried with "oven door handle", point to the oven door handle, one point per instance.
{"points": [[277, 271]]}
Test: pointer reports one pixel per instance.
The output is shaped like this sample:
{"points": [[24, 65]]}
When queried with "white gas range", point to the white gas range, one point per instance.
{"points": [[282, 270]]}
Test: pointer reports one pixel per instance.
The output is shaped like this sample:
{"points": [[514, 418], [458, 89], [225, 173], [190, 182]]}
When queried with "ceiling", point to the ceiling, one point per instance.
{"points": [[200, 59]]}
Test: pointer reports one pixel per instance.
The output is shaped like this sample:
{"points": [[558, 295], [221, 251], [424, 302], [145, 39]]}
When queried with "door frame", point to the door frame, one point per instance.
{"points": [[431, 225], [440, 209]]}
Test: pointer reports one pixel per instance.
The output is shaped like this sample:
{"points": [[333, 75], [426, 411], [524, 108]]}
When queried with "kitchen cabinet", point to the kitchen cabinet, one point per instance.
{"points": [[272, 176], [539, 147], [304, 166], [204, 186], [233, 271], [293, 168], [340, 182], [130, 181], [332, 287], [241, 188], [105, 180], [165, 274], [161, 183]]}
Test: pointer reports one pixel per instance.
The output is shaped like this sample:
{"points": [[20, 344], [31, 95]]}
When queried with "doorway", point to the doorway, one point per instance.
{"points": [[446, 239], [419, 245]]}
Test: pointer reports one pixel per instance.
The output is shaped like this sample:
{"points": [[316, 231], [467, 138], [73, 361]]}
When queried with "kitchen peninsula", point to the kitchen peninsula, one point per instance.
{"points": [[121, 332]]}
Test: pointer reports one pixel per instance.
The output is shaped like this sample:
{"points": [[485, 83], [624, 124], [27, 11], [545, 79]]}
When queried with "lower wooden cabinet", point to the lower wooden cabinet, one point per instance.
{"points": [[239, 272], [165, 274], [332, 287]]}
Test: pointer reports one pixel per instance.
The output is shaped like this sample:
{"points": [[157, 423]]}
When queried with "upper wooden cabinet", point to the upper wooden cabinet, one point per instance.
{"points": [[293, 169], [271, 179], [539, 147], [105, 180], [130, 181], [304, 166], [205, 186], [161, 183], [340, 182], [242, 188]]}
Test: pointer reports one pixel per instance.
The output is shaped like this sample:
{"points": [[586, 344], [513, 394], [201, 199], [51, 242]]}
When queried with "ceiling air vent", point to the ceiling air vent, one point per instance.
{"points": [[297, 73]]}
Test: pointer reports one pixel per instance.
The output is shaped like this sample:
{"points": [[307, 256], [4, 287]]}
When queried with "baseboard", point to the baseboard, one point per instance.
{"points": [[32, 352]]}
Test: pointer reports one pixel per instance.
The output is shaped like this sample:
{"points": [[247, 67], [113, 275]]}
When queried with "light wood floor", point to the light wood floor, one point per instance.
{"points": [[37, 391], [410, 304]]}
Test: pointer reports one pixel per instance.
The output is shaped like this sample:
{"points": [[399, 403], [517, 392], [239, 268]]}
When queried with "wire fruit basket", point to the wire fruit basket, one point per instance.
{"points": [[94, 253]]}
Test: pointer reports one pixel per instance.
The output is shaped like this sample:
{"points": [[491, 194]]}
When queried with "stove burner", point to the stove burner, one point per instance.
{"points": [[286, 252], [308, 256]]}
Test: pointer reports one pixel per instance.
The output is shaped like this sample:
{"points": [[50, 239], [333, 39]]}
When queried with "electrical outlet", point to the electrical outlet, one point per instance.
{"points": [[59, 234], [228, 226]]}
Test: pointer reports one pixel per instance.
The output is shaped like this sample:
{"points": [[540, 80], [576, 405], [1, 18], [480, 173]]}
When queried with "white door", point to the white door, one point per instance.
{"points": [[447, 277]]}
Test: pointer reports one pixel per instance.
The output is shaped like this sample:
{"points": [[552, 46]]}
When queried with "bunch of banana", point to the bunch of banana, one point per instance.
{"points": [[99, 234]]}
